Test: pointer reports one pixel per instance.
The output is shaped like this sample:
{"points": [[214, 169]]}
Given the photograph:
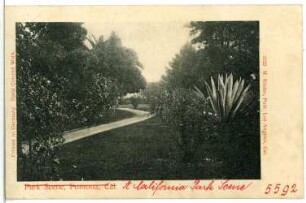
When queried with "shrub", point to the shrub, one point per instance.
{"points": [[101, 95], [154, 95], [135, 101], [234, 105], [188, 121], [41, 119], [228, 101]]}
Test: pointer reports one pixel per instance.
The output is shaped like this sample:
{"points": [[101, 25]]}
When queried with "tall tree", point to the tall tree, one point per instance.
{"points": [[231, 46], [119, 63], [216, 47], [183, 70]]}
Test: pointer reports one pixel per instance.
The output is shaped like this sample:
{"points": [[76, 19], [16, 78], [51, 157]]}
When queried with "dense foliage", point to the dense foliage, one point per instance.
{"points": [[135, 101], [154, 95], [187, 117], [60, 81], [208, 99], [199, 109], [216, 47]]}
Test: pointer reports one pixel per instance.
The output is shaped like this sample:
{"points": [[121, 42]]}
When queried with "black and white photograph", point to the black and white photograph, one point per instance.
{"points": [[138, 101]]}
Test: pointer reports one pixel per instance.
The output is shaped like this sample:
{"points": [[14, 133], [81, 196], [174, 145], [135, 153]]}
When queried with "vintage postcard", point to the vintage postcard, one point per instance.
{"points": [[153, 102]]}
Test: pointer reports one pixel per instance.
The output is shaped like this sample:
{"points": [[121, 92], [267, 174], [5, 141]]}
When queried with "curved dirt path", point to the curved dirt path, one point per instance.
{"points": [[86, 132]]}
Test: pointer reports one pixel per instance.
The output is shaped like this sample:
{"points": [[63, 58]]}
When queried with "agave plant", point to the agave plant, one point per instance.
{"points": [[227, 98]]}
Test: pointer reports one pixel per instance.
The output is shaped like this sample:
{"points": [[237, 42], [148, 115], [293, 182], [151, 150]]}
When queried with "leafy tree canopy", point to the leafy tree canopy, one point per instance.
{"points": [[216, 47]]}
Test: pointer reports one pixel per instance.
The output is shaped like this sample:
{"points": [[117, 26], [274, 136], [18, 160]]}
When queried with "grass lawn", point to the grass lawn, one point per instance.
{"points": [[144, 107], [141, 151], [109, 116]]}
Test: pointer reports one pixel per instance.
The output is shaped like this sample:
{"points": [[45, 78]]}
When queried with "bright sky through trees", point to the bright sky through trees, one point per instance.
{"points": [[155, 43]]}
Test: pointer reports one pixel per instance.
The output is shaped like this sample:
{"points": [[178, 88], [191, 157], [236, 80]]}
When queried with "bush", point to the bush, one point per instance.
{"points": [[234, 105], [135, 101], [41, 119], [188, 121], [154, 95], [232, 126]]}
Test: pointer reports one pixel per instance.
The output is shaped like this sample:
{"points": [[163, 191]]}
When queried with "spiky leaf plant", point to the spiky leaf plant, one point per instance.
{"points": [[226, 96]]}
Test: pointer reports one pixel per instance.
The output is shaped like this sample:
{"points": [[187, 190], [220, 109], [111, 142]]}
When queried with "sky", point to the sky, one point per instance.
{"points": [[155, 43]]}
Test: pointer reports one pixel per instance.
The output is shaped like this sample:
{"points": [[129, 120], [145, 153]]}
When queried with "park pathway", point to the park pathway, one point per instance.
{"points": [[74, 135]]}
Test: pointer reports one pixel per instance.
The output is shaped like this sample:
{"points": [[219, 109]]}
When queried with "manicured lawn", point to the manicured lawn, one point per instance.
{"points": [[109, 116], [141, 151]]}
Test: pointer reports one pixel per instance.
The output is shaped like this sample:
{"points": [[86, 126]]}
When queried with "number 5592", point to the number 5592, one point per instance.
{"points": [[280, 189]]}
